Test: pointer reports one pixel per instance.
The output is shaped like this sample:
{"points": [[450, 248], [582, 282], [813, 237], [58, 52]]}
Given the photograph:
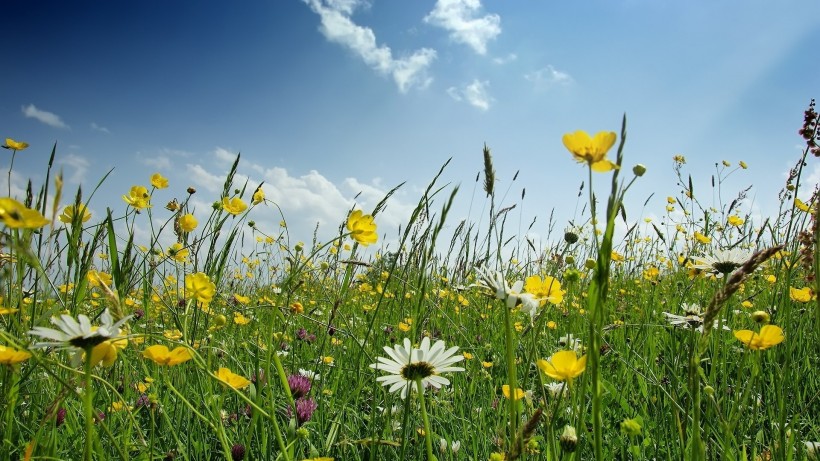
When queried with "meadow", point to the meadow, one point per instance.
{"points": [[698, 339]]}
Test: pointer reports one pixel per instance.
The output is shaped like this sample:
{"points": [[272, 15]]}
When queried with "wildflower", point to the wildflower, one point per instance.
{"points": [[591, 150], [406, 364], [304, 409], [240, 319], [519, 393], [17, 216], [78, 335], [7, 310], [801, 295], [299, 385], [495, 282], [735, 220], [563, 365], [67, 216], [15, 145], [770, 335], [679, 159], [743, 164], [199, 287], [12, 356], [258, 196], [158, 181], [104, 353], [702, 238], [692, 318], [639, 170], [97, 279], [362, 228], [296, 308], [631, 427], [163, 357], [234, 206], [722, 262], [311, 375], [231, 379], [187, 222], [238, 452], [548, 289], [568, 439], [800, 205], [138, 197], [556, 389], [178, 253], [761, 317]]}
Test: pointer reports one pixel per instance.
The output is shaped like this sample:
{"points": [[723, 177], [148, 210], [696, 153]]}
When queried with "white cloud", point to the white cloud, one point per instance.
{"points": [[505, 59], [201, 178], [338, 27], [475, 93], [458, 17], [48, 118], [79, 164], [548, 76], [102, 129], [159, 162], [224, 156]]}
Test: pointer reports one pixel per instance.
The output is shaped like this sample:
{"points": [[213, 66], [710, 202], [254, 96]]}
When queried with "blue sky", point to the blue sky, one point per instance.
{"points": [[328, 98]]}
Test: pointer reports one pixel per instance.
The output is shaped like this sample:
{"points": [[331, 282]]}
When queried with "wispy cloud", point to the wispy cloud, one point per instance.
{"points": [[459, 18], [548, 76], [99, 128], [474, 93], [337, 27], [79, 166], [224, 157], [46, 117], [161, 162], [505, 59]]}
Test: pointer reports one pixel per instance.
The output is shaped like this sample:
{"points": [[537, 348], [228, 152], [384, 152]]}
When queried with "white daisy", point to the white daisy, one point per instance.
{"points": [[406, 364], [722, 262], [691, 318], [78, 334], [497, 284]]}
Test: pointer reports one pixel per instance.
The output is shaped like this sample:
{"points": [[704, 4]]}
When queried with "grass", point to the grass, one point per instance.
{"points": [[267, 307]]}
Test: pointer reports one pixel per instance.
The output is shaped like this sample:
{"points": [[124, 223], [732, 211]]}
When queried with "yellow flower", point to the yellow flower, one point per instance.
{"points": [[800, 205], [328, 360], [679, 159], [199, 287], [702, 238], [12, 356], [591, 150], [231, 379], [671, 200], [69, 212], [97, 278], [7, 310], [615, 256], [467, 355], [362, 228], [735, 220], [548, 289], [234, 206], [487, 364], [519, 393], [15, 215], [138, 197], [801, 295], [563, 365], [173, 335], [320, 458], [158, 181], [770, 335], [726, 164], [105, 353], [187, 222], [177, 252], [743, 164], [258, 196], [297, 308], [240, 319], [163, 357], [15, 145]]}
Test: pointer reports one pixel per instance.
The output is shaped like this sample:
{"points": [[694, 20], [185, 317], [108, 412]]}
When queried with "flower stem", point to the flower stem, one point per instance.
{"points": [[512, 380], [88, 407], [428, 434]]}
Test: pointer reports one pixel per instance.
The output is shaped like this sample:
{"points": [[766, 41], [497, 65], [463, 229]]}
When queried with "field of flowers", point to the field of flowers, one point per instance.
{"points": [[698, 341]]}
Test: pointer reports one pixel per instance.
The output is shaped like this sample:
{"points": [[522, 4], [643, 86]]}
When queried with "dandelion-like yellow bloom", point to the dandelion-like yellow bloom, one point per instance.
{"points": [[231, 379], [15, 145], [735, 220], [163, 357], [546, 289], [159, 181], [258, 196], [801, 295], [187, 222], [12, 356], [67, 216], [16, 216], [702, 238], [591, 151], [519, 393], [770, 335], [563, 365], [138, 197], [362, 228], [199, 287], [234, 206], [97, 278], [178, 253]]}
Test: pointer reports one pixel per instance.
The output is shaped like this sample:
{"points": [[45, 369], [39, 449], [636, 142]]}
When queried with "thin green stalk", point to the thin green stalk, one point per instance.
{"points": [[512, 379], [428, 434], [88, 407]]}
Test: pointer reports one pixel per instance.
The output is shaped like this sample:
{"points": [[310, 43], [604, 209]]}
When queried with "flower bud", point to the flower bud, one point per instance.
{"points": [[590, 263], [568, 439], [639, 170], [631, 427], [570, 237], [761, 317]]}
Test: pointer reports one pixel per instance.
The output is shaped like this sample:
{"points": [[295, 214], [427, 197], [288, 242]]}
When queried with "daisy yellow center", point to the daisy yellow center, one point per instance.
{"points": [[418, 370]]}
